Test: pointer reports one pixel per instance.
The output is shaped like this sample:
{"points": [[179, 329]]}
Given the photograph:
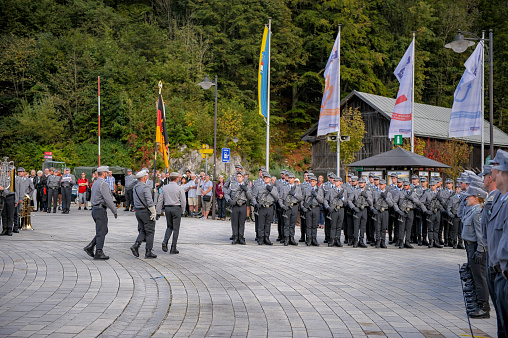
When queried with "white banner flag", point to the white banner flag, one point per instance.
{"points": [[400, 124], [329, 117], [466, 117]]}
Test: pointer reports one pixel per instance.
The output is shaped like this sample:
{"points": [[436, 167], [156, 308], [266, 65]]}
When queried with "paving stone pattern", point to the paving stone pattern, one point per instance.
{"points": [[50, 287]]}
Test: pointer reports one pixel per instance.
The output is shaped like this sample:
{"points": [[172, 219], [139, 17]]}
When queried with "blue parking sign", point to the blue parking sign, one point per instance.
{"points": [[225, 155]]}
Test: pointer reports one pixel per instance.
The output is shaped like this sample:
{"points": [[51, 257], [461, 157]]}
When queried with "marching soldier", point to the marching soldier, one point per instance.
{"points": [[290, 196], [172, 199], [334, 204], [359, 202], [497, 239], [129, 197], [67, 181], [237, 195], [145, 214], [382, 202], [312, 199], [433, 211], [407, 201], [101, 200], [53, 186], [265, 195]]}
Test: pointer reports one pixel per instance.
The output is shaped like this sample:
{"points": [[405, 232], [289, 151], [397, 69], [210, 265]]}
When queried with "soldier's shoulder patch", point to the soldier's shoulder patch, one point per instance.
{"points": [[490, 198]]}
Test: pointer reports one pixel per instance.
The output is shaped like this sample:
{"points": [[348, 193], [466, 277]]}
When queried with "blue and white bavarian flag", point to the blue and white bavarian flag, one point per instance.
{"points": [[466, 118]]}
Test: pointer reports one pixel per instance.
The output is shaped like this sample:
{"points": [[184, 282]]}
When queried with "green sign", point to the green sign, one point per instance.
{"points": [[397, 140]]}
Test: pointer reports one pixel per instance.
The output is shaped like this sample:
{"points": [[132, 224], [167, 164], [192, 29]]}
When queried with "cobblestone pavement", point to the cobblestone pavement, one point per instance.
{"points": [[49, 286]]}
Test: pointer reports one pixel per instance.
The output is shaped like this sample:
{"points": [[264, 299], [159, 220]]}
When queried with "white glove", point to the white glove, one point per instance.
{"points": [[152, 213]]}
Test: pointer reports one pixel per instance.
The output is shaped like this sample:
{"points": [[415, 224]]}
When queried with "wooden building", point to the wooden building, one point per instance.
{"points": [[430, 123]]}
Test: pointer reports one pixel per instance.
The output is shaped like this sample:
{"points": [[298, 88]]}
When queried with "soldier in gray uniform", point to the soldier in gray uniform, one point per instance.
{"points": [[407, 202], [53, 185], [313, 197], [7, 208], [433, 214], [172, 198], [303, 222], [444, 196], [326, 187], [67, 181], [145, 214], [129, 198], [416, 232], [280, 222], [101, 200], [360, 201], [334, 204], [382, 202], [22, 186], [392, 218], [451, 210], [290, 195], [349, 211], [237, 195], [265, 196]]}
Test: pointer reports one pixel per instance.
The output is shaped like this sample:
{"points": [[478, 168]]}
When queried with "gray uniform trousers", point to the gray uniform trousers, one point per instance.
{"points": [[146, 228], [479, 273], [312, 218], [238, 216], [66, 197], [173, 218], [289, 220], [433, 226], [405, 226], [337, 217], [265, 218], [382, 224], [100, 217], [501, 286], [491, 277], [360, 223], [8, 213], [129, 199], [52, 197]]}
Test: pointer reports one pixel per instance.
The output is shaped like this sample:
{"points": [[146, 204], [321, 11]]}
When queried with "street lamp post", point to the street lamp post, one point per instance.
{"points": [[206, 84], [459, 45]]}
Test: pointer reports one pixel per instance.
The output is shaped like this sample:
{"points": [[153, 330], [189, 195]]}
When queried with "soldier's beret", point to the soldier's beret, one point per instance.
{"points": [[362, 180], [102, 169], [382, 181]]}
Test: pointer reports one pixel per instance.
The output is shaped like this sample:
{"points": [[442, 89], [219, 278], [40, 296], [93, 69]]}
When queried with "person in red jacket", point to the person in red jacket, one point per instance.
{"points": [[82, 185]]}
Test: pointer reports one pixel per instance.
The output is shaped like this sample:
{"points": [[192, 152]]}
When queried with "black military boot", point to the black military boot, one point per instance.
{"points": [[150, 254], [437, 245], [424, 242], [99, 254], [259, 241], [292, 241], [173, 250], [460, 245], [266, 240], [407, 245], [314, 242], [383, 244], [302, 239], [135, 248], [431, 243], [164, 246], [89, 249], [231, 238], [401, 244], [361, 244], [355, 243], [286, 240], [235, 240], [331, 242], [4, 232], [338, 242], [241, 240]]}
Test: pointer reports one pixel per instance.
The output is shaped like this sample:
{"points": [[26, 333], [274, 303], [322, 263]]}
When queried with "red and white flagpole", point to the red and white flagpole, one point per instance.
{"points": [[99, 109]]}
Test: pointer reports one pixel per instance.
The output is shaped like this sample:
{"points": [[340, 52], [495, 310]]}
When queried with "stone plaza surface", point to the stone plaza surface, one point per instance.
{"points": [[50, 287]]}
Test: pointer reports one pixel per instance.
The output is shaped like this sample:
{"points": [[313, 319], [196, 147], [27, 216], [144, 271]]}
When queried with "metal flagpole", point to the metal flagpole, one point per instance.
{"points": [[267, 164], [99, 115], [413, 101], [338, 131], [483, 100]]}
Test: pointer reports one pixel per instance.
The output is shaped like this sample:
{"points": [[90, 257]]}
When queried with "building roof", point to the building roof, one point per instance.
{"points": [[429, 121], [398, 157]]}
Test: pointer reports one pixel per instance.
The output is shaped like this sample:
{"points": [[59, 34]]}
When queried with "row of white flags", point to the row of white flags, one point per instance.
{"points": [[466, 116]]}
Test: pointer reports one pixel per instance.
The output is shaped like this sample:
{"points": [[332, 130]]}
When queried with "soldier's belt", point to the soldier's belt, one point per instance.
{"points": [[240, 203], [266, 205], [314, 205]]}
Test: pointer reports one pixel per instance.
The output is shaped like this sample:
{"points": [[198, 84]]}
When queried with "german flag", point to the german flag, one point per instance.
{"points": [[161, 136]]}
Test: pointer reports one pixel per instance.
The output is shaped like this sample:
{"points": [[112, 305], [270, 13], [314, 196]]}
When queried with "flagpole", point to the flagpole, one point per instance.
{"points": [[155, 155], [338, 130], [483, 99], [413, 100], [267, 163], [99, 115]]}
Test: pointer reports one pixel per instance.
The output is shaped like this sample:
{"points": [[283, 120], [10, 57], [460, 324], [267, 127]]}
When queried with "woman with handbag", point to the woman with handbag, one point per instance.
{"points": [[206, 193], [221, 202]]}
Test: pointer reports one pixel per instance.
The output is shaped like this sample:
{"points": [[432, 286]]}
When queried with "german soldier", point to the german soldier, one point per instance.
{"points": [[290, 196], [382, 202], [237, 195], [334, 204], [145, 214], [265, 195], [313, 198], [360, 200], [101, 200], [172, 198]]}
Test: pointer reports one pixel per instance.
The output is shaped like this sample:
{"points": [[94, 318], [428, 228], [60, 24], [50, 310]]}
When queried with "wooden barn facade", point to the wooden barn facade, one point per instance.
{"points": [[430, 123]]}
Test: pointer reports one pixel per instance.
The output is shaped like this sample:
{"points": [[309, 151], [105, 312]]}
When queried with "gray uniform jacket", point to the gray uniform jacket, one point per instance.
{"points": [[335, 198], [290, 195], [239, 194], [101, 195], [312, 197], [360, 199], [264, 197], [471, 227], [53, 181], [128, 181], [22, 186], [228, 182], [463, 207], [409, 200], [172, 194], [492, 198], [497, 233], [395, 195], [382, 200], [430, 200], [142, 196], [67, 180], [453, 205]]}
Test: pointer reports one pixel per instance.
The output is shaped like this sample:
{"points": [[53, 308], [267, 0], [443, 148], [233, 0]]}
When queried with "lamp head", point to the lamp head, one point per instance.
{"points": [[460, 44], [206, 83]]}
